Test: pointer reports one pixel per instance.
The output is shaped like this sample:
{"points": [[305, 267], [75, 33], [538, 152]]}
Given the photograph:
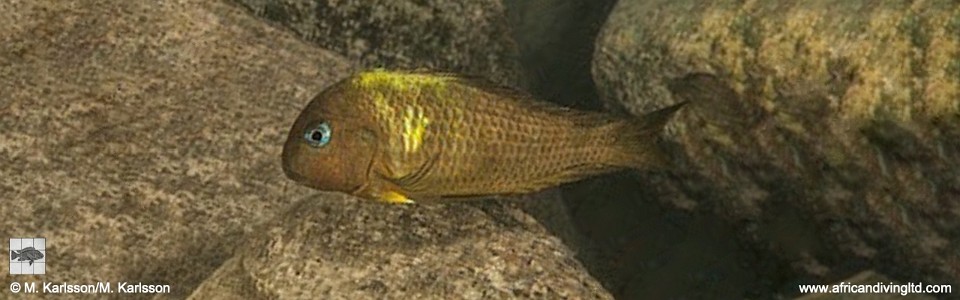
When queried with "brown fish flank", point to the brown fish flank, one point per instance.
{"points": [[397, 136]]}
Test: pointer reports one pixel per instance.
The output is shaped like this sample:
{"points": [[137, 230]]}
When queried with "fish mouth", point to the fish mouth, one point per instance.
{"points": [[294, 175], [287, 166]]}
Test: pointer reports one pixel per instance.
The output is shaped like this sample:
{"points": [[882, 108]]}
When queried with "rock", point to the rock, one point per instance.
{"points": [[332, 246], [142, 138], [469, 37], [826, 132]]}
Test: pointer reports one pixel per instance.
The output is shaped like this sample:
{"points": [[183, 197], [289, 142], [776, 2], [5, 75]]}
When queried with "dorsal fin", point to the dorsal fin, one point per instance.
{"points": [[506, 93]]}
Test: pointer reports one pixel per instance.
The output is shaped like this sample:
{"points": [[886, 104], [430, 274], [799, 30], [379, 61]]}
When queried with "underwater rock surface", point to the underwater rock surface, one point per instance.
{"points": [[470, 37], [838, 119], [142, 139], [339, 247]]}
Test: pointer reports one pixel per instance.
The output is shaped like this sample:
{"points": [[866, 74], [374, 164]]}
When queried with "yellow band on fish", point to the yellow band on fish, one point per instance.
{"points": [[414, 125], [398, 81]]}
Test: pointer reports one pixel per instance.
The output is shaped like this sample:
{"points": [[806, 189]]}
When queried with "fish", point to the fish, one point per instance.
{"points": [[29, 253], [421, 136]]}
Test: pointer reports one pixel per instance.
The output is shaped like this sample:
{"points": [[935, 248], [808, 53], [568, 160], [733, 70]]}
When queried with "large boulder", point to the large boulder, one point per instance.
{"points": [[141, 138], [470, 37], [340, 247], [827, 132]]}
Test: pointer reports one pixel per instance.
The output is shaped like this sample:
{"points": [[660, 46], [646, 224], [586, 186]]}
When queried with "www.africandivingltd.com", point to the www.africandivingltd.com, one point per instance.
{"points": [[876, 288]]}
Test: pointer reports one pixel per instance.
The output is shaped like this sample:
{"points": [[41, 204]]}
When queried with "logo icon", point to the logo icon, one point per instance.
{"points": [[27, 256]]}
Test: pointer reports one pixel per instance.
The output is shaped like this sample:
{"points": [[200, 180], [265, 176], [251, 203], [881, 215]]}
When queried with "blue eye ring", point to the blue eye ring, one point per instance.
{"points": [[318, 136]]}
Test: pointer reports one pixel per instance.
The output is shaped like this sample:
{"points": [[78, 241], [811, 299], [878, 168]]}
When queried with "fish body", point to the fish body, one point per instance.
{"points": [[397, 136], [29, 253]]}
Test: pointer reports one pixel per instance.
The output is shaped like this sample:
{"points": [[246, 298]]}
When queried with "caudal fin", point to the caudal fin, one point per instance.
{"points": [[13, 255], [635, 145]]}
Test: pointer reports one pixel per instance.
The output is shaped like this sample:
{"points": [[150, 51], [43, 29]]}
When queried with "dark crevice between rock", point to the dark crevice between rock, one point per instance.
{"points": [[640, 239], [556, 43], [637, 245]]}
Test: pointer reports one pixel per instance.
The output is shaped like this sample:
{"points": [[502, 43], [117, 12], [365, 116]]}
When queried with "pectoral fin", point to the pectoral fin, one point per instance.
{"points": [[414, 181], [395, 198], [382, 191]]}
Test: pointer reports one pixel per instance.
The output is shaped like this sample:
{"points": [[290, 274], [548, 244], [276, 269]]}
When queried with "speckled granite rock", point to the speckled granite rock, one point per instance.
{"points": [[339, 247], [464, 36], [141, 137], [837, 121], [142, 140]]}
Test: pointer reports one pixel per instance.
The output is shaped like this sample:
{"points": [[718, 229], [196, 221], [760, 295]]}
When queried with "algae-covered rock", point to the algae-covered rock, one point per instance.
{"points": [[840, 116], [464, 36], [332, 246], [871, 59]]}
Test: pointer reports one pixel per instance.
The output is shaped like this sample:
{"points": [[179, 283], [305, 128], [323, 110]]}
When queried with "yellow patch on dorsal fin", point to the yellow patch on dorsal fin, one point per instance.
{"points": [[398, 80]]}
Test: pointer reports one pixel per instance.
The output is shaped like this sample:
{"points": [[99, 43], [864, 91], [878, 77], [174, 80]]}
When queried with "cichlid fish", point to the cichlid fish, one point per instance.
{"points": [[28, 253], [404, 136]]}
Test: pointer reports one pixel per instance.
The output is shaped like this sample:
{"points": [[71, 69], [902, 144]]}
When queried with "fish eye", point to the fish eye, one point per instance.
{"points": [[319, 135]]}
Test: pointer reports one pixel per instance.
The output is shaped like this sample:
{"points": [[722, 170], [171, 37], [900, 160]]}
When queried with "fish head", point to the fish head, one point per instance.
{"points": [[332, 143]]}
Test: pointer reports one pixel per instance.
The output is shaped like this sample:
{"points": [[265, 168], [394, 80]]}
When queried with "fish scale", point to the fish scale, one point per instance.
{"points": [[421, 135], [523, 142]]}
